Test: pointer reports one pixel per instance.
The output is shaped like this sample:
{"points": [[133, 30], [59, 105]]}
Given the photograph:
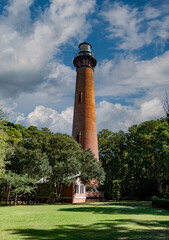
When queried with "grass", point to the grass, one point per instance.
{"points": [[95, 221]]}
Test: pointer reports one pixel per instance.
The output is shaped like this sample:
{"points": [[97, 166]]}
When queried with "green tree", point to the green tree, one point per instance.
{"points": [[67, 160], [91, 169], [18, 184], [112, 149], [26, 160], [3, 144], [40, 153], [137, 162]]}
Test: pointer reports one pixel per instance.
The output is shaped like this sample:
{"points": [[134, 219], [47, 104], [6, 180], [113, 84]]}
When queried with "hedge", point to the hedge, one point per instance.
{"points": [[160, 202]]}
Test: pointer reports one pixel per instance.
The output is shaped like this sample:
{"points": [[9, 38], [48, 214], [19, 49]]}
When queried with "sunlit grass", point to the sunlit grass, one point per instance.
{"points": [[110, 220]]}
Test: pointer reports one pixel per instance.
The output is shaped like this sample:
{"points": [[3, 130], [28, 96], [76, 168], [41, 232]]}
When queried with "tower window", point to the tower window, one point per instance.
{"points": [[80, 97], [78, 137]]}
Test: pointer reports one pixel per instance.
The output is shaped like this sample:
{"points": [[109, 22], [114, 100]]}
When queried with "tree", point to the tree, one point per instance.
{"points": [[67, 160], [91, 169], [40, 153], [3, 144], [137, 162], [112, 148], [18, 184], [25, 167], [14, 135]]}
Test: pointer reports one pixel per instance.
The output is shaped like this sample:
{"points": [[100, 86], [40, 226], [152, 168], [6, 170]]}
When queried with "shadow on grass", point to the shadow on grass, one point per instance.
{"points": [[106, 230], [128, 208]]}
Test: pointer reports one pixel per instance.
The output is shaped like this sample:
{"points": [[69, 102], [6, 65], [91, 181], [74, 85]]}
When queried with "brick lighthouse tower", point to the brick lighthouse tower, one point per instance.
{"points": [[84, 120]]}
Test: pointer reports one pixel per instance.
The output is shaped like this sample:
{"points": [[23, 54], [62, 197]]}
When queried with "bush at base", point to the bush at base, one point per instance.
{"points": [[160, 202]]}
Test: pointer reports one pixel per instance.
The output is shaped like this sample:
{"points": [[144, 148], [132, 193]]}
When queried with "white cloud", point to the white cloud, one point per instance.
{"points": [[117, 117], [114, 117], [151, 12], [31, 71], [124, 24], [135, 27], [60, 81], [128, 76], [115, 79], [27, 46], [50, 118], [152, 109], [57, 91]]}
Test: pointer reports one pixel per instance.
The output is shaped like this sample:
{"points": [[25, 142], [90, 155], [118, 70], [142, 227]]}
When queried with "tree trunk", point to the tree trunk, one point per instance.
{"points": [[58, 191], [15, 199], [7, 194]]}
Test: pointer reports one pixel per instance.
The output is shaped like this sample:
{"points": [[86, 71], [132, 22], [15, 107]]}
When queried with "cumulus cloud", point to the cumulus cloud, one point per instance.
{"points": [[57, 91], [117, 117], [60, 80], [115, 79], [135, 27], [50, 118], [114, 117], [28, 46], [30, 68], [129, 76]]}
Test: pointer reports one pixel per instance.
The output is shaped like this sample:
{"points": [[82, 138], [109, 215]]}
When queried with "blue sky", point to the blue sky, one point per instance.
{"points": [[40, 38]]}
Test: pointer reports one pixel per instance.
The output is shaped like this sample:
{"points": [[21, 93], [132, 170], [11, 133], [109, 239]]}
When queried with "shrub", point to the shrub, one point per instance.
{"points": [[164, 195], [160, 202]]}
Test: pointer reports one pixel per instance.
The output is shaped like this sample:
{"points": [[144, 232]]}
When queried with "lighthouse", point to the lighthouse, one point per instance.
{"points": [[84, 122], [84, 119]]}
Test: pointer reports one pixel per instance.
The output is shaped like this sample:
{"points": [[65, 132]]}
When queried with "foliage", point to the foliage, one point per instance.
{"points": [[14, 135], [3, 144], [19, 184], [67, 160], [64, 154], [91, 169], [164, 195], [137, 162], [40, 153], [112, 149], [25, 166], [160, 202]]}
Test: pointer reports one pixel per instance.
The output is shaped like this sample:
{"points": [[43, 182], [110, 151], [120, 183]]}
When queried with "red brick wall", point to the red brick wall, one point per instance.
{"points": [[79, 197], [84, 121]]}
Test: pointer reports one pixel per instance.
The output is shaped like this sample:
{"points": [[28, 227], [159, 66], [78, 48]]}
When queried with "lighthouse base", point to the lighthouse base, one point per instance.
{"points": [[75, 193]]}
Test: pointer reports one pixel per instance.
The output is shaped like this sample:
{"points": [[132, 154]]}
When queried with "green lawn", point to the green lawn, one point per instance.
{"points": [[96, 221]]}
